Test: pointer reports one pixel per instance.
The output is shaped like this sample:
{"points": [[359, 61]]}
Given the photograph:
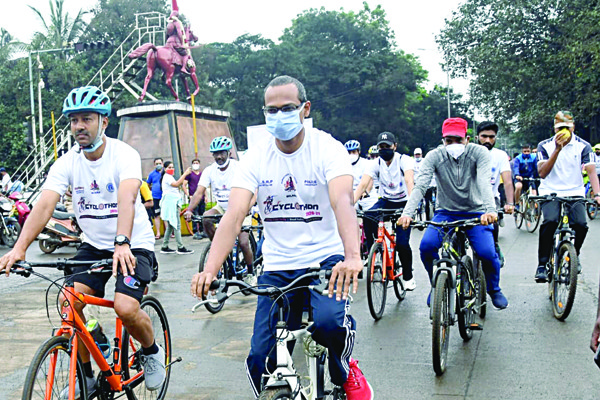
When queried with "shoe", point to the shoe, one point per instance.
{"points": [[498, 300], [167, 250], [501, 222], [410, 285], [197, 236], [183, 250], [154, 369], [90, 382], [250, 279], [429, 299], [356, 386], [540, 274]]}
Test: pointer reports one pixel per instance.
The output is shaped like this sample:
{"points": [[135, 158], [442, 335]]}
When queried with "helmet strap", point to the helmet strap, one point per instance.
{"points": [[225, 164], [95, 145]]}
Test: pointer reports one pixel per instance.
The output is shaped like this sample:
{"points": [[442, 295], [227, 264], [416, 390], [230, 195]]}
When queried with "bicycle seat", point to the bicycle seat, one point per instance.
{"points": [[62, 215]]}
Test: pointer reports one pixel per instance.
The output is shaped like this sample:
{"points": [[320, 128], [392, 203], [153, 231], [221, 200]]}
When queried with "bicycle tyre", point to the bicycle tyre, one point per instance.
{"points": [[564, 281], [55, 345], [519, 214], [212, 308], [376, 282], [591, 209], [466, 317], [399, 288], [533, 216], [440, 337], [481, 286], [282, 393], [131, 363]]}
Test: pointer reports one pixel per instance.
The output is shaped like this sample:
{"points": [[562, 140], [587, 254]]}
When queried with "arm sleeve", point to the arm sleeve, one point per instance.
{"points": [[130, 164], [505, 166], [422, 182], [59, 177], [373, 169], [516, 167], [407, 163], [205, 177], [336, 161], [542, 154], [246, 175], [484, 176], [586, 155]]}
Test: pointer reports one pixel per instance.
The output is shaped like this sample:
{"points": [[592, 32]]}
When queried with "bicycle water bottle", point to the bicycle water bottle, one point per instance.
{"points": [[95, 329]]}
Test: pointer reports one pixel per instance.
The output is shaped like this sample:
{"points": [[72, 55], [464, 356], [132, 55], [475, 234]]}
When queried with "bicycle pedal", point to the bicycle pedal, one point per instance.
{"points": [[475, 327]]}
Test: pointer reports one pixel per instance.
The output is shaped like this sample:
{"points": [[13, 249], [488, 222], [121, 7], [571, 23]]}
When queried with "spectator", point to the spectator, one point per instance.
{"points": [[6, 183], [170, 208], [154, 180], [192, 182]]}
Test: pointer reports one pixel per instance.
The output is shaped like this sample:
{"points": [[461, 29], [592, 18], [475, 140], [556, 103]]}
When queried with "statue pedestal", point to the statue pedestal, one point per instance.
{"points": [[165, 129]]}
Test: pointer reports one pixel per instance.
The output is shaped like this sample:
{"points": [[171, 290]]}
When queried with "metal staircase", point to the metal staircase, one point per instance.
{"points": [[115, 77]]}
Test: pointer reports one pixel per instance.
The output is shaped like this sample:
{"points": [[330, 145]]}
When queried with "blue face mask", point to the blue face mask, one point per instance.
{"points": [[95, 145], [285, 126]]}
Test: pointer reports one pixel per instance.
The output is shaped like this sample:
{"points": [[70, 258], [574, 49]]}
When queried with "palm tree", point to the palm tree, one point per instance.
{"points": [[61, 29], [9, 48]]}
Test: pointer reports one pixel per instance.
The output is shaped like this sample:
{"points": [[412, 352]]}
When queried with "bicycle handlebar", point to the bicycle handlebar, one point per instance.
{"points": [[563, 199], [221, 285], [25, 268], [463, 223], [199, 218]]}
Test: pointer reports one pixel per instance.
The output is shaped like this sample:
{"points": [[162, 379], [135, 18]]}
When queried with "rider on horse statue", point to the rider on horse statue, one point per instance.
{"points": [[177, 40]]}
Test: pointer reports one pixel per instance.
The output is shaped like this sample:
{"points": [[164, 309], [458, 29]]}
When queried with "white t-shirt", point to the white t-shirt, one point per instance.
{"points": [[6, 182], [500, 164], [219, 181], [166, 185], [417, 165], [95, 185], [293, 198], [391, 179], [565, 178], [358, 169]]}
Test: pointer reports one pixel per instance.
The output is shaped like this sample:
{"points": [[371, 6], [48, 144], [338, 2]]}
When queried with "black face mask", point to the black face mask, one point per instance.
{"points": [[386, 154]]}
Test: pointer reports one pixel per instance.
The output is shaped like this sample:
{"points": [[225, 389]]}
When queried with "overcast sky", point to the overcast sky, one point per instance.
{"points": [[415, 23]]}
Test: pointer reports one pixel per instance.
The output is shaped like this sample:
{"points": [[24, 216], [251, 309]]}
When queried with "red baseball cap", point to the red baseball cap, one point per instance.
{"points": [[455, 127]]}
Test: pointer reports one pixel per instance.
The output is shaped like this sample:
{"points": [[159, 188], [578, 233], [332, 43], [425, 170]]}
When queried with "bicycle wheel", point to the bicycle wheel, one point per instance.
{"points": [[466, 293], [283, 393], [131, 352], [481, 289], [564, 281], [212, 307], [376, 282], [519, 214], [440, 314], [591, 208], [48, 374], [398, 285], [532, 219]]}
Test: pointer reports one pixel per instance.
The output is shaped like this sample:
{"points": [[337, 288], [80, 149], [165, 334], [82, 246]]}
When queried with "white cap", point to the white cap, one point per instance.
{"points": [[418, 151]]}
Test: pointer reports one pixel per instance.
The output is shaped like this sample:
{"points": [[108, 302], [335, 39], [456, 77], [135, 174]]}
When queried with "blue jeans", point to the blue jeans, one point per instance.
{"points": [[333, 326], [402, 236], [481, 239]]}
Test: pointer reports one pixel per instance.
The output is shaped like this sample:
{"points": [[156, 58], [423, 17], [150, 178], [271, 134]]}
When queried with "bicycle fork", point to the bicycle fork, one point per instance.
{"points": [[437, 270]]}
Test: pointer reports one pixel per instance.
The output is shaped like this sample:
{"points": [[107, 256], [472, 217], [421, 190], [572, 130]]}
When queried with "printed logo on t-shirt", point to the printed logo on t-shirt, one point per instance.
{"points": [[79, 189], [94, 187], [110, 187], [265, 183], [271, 208], [289, 183], [131, 282], [86, 205], [310, 182]]}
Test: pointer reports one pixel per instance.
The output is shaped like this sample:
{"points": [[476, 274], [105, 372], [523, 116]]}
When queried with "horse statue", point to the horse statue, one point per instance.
{"points": [[173, 58]]}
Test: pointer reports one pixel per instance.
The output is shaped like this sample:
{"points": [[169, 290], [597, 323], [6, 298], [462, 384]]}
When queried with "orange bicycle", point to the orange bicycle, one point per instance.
{"points": [[383, 263], [57, 366]]}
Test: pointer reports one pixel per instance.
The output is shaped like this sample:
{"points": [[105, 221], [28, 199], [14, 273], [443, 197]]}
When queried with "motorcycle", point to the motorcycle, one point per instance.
{"points": [[60, 231], [20, 208], [10, 229]]}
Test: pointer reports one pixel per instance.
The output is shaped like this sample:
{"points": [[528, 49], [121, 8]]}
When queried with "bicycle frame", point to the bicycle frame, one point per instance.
{"points": [[388, 254], [73, 326]]}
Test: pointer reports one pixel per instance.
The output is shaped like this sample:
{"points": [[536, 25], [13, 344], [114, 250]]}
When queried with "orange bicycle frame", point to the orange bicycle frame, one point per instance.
{"points": [[388, 255]]}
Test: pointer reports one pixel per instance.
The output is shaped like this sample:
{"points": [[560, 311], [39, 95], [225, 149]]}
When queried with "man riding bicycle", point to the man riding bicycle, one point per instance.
{"points": [[524, 166], [218, 176], [105, 175], [395, 173], [560, 160], [303, 180], [463, 175], [359, 167]]}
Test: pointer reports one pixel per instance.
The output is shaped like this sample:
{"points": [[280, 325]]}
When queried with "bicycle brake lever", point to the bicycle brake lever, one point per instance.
{"points": [[203, 302]]}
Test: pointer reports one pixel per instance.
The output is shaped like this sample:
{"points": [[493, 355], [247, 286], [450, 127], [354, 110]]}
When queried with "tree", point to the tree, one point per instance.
{"points": [[60, 30]]}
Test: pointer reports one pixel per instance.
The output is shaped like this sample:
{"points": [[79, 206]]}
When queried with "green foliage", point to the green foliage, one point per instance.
{"points": [[60, 29]]}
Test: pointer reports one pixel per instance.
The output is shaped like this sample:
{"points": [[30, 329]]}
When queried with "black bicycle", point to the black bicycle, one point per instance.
{"points": [[458, 289], [234, 266], [562, 267], [528, 209]]}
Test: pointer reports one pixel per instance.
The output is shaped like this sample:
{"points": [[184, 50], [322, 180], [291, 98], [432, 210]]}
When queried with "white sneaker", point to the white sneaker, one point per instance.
{"points": [[64, 395], [250, 279], [154, 369], [410, 285]]}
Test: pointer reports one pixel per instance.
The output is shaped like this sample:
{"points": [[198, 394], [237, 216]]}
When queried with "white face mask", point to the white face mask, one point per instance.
{"points": [[455, 150], [354, 158], [195, 167]]}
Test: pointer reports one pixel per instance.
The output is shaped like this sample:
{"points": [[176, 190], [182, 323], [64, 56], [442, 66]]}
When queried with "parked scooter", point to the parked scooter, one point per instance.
{"points": [[62, 230], [20, 209], [9, 225]]}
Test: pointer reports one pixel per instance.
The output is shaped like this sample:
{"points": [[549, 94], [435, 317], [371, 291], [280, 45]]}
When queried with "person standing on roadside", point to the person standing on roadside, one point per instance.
{"points": [[154, 179], [169, 208], [192, 181]]}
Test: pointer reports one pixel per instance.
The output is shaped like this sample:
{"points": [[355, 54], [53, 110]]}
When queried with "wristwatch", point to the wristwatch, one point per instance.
{"points": [[121, 240]]}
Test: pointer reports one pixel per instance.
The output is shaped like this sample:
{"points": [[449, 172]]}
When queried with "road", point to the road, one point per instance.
{"points": [[522, 353]]}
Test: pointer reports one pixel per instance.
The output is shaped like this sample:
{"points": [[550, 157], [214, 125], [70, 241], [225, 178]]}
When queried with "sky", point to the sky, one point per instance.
{"points": [[415, 23]]}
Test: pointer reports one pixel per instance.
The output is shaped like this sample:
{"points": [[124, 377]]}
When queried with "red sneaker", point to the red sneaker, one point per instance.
{"points": [[356, 386]]}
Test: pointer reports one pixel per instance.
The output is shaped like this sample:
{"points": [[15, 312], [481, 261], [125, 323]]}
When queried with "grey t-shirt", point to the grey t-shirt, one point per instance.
{"points": [[463, 185]]}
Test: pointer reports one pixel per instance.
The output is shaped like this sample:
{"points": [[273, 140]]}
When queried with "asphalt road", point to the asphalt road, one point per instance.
{"points": [[522, 353]]}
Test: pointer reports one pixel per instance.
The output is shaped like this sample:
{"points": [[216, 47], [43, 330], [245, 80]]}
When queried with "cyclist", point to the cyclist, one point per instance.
{"points": [[218, 176], [418, 157], [105, 175], [359, 165], [373, 152], [395, 173], [559, 166], [304, 181], [525, 166], [463, 174], [596, 149]]}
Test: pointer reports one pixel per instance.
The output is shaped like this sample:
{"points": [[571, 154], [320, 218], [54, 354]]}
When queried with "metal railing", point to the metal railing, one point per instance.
{"points": [[150, 27]]}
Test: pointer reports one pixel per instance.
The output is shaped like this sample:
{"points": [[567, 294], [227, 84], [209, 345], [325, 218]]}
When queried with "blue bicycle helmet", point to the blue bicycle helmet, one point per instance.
{"points": [[220, 143], [87, 99], [352, 145]]}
